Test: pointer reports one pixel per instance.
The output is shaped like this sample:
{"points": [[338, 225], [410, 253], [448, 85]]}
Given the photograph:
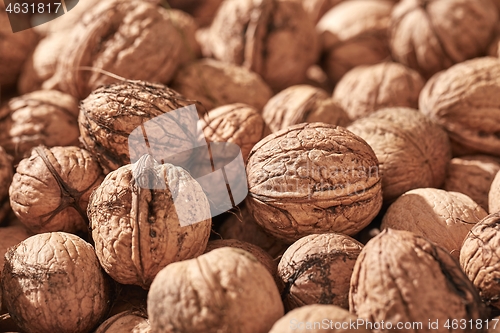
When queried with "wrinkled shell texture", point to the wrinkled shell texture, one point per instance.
{"points": [[354, 33], [186, 26], [412, 151], [402, 277], [444, 218], [137, 231], [132, 39], [273, 38], [110, 114], [302, 104], [224, 291], [366, 89], [494, 195], [317, 269], [315, 313], [215, 83], [472, 175], [479, 258], [6, 173], [10, 236], [60, 289], [202, 11], [236, 123], [44, 117], [465, 100], [50, 190], [450, 31], [313, 178], [124, 322]]}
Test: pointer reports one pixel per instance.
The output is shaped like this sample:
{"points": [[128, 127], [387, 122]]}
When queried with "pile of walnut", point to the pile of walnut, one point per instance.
{"points": [[369, 144]]}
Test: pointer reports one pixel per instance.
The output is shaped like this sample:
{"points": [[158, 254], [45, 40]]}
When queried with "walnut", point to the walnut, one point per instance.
{"points": [[317, 269], [50, 190], [307, 318], [317, 8], [465, 100], [430, 36], [6, 174], [226, 290], [215, 83], [398, 270], [494, 195], [445, 218], [273, 38], [302, 104], [313, 178], [366, 89], [413, 152], [187, 27], [203, 11], [124, 322], [472, 175], [145, 216], [44, 117], [354, 33], [131, 39], [51, 274]]}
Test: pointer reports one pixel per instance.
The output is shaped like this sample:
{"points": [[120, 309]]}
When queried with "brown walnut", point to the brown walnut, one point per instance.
{"points": [[124, 322], [494, 195]]}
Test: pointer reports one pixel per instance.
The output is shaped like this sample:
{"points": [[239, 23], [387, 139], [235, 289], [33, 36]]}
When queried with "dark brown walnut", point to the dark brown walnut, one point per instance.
{"points": [[413, 152], [10, 236], [472, 175], [132, 39], [307, 317], [302, 104], [273, 38], [313, 178], [51, 189], [202, 11], [52, 282], [465, 101], [215, 83], [354, 33], [402, 277], [444, 218], [366, 89], [44, 117], [449, 32], [494, 195], [124, 322], [242, 226], [145, 216], [479, 258], [186, 26], [111, 113], [317, 269], [224, 291]]}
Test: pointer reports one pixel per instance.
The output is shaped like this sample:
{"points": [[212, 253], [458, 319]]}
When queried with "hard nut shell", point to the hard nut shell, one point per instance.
{"points": [[494, 195]]}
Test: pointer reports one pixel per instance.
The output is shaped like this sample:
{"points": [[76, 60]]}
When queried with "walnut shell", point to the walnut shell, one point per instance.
{"points": [[302, 104], [444, 218], [317, 8], [203, 11], [132, 39], [50, 190], [366, 89], [44, 117], [494, 195], [465, 100], [354, 33], [307, 317], [313, 178], [111, 113], [317, 269], [6, 174], [52, 282], [273, 38], [472, 175], [402, 277], [145, 216], [431, 36], [215, 83], [413, 152], [480, 261], [10, 236], [124, 322], [187, 27], [224, 291]]}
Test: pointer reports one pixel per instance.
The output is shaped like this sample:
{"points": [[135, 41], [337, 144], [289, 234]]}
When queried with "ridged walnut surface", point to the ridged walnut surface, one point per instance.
{"points": [[412, 151], [494, 195], [224, 291], [465, 100], [402, 277], [313, 178]]}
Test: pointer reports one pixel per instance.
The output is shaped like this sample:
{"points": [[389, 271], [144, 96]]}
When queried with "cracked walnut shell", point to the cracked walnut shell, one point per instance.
{"points": [[313, 178], [494, 195]]}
